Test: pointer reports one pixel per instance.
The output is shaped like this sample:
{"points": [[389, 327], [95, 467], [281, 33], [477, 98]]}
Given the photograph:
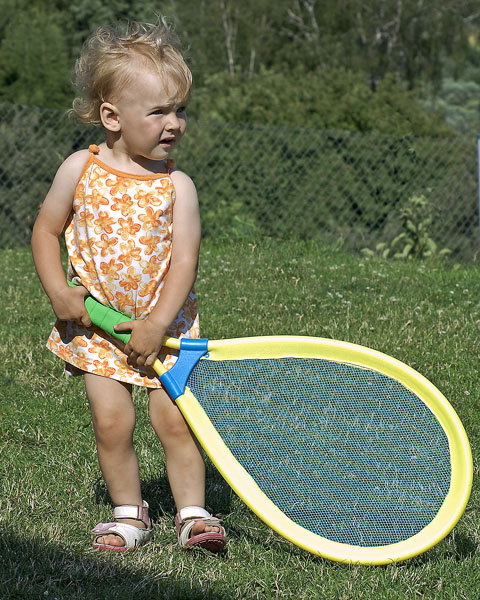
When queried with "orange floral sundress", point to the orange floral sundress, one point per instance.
{"points": [[119, 242]]}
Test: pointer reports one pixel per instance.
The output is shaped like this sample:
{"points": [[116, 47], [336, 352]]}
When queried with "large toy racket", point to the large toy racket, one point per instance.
{"points": [[344, 451]]}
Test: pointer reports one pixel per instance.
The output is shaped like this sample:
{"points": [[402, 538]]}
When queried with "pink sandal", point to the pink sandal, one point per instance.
{"points": [[209, 540], [133, 537]]}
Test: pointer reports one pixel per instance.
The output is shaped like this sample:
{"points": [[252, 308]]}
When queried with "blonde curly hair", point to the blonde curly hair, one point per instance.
{"points": [[107, 62]]}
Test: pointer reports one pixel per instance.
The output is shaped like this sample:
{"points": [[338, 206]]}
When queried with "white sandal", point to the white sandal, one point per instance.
{"points": [[133, 537], [210, 540]]}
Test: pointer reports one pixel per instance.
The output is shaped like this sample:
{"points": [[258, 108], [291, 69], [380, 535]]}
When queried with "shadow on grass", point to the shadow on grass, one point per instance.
{"points": [[465, 547], [456, 545], [30, 568]]}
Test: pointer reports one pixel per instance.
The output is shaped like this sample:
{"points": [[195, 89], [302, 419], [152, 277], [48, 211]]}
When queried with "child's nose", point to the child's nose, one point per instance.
{"points": [[173, 122]]}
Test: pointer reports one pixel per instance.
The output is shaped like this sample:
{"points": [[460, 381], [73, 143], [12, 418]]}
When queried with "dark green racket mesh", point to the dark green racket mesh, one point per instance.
{"points": [[345, 452]]}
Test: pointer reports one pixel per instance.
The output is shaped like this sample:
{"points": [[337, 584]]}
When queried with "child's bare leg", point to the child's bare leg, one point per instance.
{"points": [[113, 417], [184, 460]]}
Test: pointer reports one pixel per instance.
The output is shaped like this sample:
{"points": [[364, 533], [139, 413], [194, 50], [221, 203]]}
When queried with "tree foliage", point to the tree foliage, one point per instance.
{"points": [[323, 99], [33, 59], [354, 64]]}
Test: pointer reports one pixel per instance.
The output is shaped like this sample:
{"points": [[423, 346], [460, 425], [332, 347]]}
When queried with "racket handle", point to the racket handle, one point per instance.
{"points": [[105, 317]]}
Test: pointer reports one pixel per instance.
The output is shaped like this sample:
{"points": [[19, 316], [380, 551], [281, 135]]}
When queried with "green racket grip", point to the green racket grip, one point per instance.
{"points": [[105, 317]]}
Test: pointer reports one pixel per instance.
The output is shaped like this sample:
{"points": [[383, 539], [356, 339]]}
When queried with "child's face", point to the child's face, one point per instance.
{"points": [[151, 123]]}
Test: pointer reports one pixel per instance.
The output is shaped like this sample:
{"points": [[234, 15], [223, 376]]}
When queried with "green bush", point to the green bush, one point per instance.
{"points": [[325, 185], [324, 99]]}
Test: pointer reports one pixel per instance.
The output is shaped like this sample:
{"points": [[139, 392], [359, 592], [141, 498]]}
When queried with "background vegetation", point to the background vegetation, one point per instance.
{"points": [[282, 92], [264, 180], [390, 66]]}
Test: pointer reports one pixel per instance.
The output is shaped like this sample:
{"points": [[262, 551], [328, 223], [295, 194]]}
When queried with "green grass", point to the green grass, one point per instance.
{"points": [[424, 314]]}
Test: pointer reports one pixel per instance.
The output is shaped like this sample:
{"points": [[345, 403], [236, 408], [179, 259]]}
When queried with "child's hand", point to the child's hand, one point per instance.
{"points": [[69, 305], [145, 342]]}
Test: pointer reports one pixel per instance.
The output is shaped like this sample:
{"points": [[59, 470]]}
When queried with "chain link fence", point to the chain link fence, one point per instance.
{"points": [[258, 181]]}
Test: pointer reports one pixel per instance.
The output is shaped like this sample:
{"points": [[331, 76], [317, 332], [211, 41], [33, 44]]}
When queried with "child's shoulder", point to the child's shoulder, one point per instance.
{"points": [[74, 164], [77, 159], [180, 178], [185, 191], [70, 171]]}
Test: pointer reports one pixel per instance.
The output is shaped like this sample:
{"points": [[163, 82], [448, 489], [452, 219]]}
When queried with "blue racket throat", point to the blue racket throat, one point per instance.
{"points": [[175, 380]]}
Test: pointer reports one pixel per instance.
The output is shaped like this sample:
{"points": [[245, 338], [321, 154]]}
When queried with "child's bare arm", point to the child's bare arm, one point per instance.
{"points": [[147, 334], [67, 302]]}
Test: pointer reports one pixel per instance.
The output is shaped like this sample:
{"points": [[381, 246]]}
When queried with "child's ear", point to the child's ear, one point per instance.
{"points": [[109, 117]]}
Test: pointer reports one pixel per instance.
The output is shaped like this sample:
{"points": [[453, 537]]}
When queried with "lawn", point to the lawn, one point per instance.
{"points": [[425, 314]]}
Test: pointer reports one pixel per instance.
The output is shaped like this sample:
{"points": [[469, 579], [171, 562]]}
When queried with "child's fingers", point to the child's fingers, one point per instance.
{"points": [[141, 360], [128, 349], [85, 317], [145, 358], [125, 326], [151, 359], [133, 358], [85, 320], [69, 305], [143, 347]]}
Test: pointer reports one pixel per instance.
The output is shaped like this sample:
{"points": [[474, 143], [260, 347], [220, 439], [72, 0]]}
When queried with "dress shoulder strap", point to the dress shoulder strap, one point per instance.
{"points": [[170, 164]]}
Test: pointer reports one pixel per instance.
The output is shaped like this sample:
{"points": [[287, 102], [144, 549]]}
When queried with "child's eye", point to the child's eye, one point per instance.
{"points": [[162, 111]]}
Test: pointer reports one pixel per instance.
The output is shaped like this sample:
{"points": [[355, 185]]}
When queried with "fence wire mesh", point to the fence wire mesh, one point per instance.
{"points": [[258, 181]]}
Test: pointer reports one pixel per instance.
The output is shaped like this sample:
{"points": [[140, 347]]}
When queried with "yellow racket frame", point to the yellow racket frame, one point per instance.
{"points": [[246, 488]]}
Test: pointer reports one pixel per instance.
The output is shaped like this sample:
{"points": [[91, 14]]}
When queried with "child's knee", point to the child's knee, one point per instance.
{"points": [[172, 428], [112, 428], [176, 426]]}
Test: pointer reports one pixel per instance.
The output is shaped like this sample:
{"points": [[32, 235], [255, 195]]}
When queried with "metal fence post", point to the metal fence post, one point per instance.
{"points": [[478, 179]]}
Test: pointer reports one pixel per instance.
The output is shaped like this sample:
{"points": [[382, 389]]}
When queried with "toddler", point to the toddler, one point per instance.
{"points": [[132, 230]]}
